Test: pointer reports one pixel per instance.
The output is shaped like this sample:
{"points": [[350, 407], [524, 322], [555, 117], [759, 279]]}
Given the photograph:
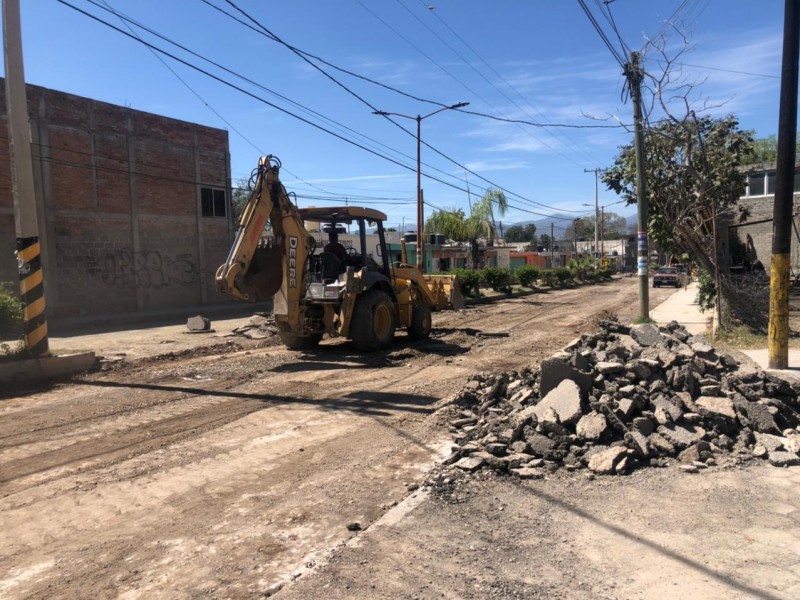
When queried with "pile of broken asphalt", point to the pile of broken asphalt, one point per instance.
{"points": [[621, 399]]}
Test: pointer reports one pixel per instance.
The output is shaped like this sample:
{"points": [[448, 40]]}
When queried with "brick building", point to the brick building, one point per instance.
{"points": [[752, 241], [133, 208]]}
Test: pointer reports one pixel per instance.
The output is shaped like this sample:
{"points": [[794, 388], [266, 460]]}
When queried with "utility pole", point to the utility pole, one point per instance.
{"points": [[29, 259], [596, 172], [420, 199], [602, 232], [782, 219], [552, 246], [634, 74]]}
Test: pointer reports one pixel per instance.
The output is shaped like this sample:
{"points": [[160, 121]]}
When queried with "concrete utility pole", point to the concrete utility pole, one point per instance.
{"points": [[596, 172], [782, 218], [29, 260], [420, 201], [602, 232], [634, 74]]}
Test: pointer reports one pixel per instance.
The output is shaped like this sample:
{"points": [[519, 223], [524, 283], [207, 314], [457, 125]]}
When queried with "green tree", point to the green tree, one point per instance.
{"points": [[614, 226], [521, 233], [546, 241], [480, 222], [240, 195], [764, 150], [692, 167], [582, 227]]}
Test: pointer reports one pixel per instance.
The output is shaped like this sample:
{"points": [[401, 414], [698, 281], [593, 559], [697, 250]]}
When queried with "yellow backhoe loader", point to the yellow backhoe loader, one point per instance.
{"points": [[362, 295]]}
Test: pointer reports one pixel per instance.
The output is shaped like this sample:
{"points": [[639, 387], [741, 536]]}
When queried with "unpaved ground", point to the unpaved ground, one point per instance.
{"points": [[229, 471]]}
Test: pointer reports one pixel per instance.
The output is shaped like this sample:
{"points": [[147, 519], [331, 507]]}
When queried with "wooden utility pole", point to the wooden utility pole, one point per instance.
{"points": [[634, 74], [29, 260], [784, 190]]}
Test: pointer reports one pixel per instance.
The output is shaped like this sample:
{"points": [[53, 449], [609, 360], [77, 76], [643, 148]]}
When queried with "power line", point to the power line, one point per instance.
{"points": [[453, 77], [729, 71], [614, 52], [274, 37], [575, 147], [302, 119], [406, 94], [305, 109]]}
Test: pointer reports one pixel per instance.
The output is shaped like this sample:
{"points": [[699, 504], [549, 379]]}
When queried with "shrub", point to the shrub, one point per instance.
{"points": [[706, 291], [469, 280], [527, 275], [10, 313], [549, 278], [498, 278], [606, 273], [563, 275]]}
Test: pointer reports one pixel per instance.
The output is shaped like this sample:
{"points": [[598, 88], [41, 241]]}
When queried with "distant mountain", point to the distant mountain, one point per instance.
{"points": [[561, 221]]}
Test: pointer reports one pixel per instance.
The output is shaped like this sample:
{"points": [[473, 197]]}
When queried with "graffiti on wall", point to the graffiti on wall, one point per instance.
{"points": [[147, 269]]}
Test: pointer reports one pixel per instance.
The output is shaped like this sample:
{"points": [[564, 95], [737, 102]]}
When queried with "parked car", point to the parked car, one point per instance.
{"points": [[667, 276]]}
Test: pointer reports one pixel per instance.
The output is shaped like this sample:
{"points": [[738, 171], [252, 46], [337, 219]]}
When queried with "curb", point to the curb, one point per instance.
{"points": [[46, 368]]}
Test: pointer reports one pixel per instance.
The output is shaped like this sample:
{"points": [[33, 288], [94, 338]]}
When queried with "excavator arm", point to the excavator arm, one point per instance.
{"points": [[257, 269]]}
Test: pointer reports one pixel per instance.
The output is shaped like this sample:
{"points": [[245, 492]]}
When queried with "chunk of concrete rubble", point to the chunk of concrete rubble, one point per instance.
{"points": [[722, 407], [781, 458], [470, 463], [681, 436], [198, 324], [528, 473], [758, 415], [555, 370], [591, 426], [770, 442], [646, 334], [564, 401], [605, 461]]}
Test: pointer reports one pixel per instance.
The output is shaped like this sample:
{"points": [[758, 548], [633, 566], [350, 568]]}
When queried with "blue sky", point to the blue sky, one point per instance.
{"points": [[538, 61]]}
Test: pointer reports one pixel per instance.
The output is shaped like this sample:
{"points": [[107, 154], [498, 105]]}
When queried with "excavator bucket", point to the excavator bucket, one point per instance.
{"points": [[264, 277], [445, 291]]}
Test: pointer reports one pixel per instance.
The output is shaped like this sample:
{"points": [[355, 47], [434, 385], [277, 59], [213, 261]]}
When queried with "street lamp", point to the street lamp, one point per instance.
{"points": [[419, 119]]}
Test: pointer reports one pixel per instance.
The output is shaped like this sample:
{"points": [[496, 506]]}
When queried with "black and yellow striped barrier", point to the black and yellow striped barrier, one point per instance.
{"points": [[31, 283]]}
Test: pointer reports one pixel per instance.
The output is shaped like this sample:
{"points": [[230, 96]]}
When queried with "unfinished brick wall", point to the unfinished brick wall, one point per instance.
{"points": [[755, 236], [118, 197]]}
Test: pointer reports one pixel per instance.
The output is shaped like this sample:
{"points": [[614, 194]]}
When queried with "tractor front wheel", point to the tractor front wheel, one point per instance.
{"points": [[420, 327], [373, 324]]}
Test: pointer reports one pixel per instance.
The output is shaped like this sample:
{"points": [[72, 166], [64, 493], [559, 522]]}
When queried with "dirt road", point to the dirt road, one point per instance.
{"points": [[228, 472]]}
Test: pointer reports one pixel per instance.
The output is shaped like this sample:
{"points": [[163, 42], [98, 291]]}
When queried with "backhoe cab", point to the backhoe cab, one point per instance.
{"points": [[323, 288]]}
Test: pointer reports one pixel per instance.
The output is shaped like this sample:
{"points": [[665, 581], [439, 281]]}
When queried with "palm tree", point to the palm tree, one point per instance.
{"points": [[480, 222]]}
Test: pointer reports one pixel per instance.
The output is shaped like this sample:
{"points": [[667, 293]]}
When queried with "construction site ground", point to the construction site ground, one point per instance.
{"points": [[214, 466]]}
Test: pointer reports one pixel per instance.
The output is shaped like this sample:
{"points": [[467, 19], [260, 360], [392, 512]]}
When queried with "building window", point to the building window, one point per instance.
{"points": [[756, 184], [771, 183], [213, 202]]}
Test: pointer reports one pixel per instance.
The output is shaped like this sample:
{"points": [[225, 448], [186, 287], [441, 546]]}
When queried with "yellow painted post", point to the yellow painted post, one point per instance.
{"points": [[29, 252], [784, 184], [778, 335]]}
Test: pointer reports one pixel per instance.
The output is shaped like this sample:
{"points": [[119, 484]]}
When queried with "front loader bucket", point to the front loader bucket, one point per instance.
{"points": [[445, 291]]}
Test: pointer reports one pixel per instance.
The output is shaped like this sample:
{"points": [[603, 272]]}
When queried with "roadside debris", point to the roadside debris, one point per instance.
{"points": [[198, 324], [259, 327], [624, 398]]}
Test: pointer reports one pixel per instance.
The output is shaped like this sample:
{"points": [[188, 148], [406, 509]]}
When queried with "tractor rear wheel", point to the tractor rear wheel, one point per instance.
{"points": [[420, 327], [373, 324]]}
